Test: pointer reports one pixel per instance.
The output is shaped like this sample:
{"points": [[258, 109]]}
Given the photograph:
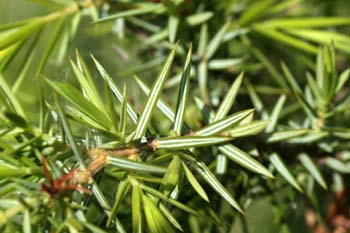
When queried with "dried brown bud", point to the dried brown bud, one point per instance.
{"points": [[82, 176]]}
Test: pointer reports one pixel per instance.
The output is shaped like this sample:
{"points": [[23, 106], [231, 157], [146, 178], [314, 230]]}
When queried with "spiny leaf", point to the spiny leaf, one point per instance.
{"points": [[136, 209], [338, 165], [290, 78], [245, 160], [276, 113], [210, 178], [78, 116], [167, 213], [123, 112], [314, 88], [216, 41], [168, 199], [88, 87], [343, 78], [203, 79], [252, 128], [331, 80], [186, 142], [194, 183], [286, 39], [161, 105], [282, 169], [225, 123], [286, 135], [86, 81], [145, 117], [102, 200], [199, 18], [122, 189], [258, 104], [73, 96], [297, 91], [312, 168], [203, 39], [312, 136], [130, 165], [138, 11], [320, 74], [229, 98], [224, 63], [115, 89], [173, 23], [183, 94], [110, 110], [148, 26]]}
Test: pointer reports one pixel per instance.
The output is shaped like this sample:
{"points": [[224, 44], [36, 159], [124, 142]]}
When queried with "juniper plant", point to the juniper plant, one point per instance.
{"points": [[238, 109]]}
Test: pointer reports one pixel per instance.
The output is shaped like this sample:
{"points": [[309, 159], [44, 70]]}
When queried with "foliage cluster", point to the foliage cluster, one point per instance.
{"points": [[221, 113]]}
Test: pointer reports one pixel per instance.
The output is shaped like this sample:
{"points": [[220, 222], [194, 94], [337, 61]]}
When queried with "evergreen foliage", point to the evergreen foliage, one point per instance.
{"points": [[185, 115]]}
